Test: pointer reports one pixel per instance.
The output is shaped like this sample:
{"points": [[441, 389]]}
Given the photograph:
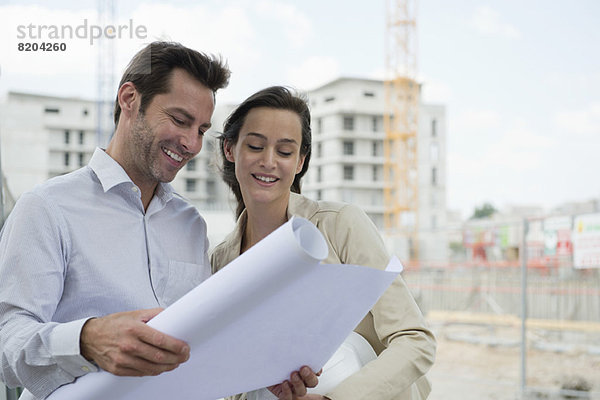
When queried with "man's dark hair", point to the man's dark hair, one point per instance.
{"points": [[151, 68], [276, 97]]}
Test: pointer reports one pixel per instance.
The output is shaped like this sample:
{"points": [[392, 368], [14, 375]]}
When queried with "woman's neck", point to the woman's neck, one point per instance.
{"points": [[261, 221]]}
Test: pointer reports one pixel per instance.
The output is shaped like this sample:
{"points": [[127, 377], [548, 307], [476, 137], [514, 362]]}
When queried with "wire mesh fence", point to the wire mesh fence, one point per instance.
{"points": [[527, 332]]}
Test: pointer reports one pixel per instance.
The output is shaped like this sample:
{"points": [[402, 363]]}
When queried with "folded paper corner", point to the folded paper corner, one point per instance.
{"points": [[394, 265]]}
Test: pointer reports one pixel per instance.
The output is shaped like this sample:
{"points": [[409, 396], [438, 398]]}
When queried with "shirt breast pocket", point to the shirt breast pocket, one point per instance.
{"points": [[183, 277]]}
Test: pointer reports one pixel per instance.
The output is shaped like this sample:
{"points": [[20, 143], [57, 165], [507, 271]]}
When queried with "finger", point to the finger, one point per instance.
{"points": [[309, 377], [165, 342], [134, 366], [151, 354], [286, 391], [275, 389], [298, 387]]}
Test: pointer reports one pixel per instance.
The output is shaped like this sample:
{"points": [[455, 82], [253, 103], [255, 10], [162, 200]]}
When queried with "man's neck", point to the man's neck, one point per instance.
{"points": [[146, 186]]}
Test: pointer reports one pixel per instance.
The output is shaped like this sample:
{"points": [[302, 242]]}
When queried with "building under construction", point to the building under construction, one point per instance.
{"points": [[348, 163]]}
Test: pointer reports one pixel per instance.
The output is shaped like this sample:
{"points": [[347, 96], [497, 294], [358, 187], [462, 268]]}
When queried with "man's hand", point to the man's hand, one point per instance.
{"points": [[295, 387], [124, 345]]}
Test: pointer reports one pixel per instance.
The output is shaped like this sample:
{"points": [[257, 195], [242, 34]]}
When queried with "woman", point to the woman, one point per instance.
{"points": [[266, 147]]}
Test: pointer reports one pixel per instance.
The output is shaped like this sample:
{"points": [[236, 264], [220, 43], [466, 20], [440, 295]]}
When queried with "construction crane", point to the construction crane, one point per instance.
{"points": [[105, 77], [401, 118]]}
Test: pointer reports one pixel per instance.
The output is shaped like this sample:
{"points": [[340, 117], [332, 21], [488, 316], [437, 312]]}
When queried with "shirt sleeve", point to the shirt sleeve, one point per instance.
{"points": [[36, 353], [398, 322]]}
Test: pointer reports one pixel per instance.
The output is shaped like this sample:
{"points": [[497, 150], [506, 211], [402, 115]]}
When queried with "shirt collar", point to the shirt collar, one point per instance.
{"points": [[111, 174]]}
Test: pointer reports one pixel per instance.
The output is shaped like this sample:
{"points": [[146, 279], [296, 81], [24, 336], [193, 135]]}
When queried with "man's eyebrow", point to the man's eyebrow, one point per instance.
{"points": [[261, 136]]}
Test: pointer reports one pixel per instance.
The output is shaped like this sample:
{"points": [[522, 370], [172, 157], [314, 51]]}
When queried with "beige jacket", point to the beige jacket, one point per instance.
{"points": [[395, 327]]}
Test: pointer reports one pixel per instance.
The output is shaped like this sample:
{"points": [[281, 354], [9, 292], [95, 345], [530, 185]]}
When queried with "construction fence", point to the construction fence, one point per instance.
{"points": [[528, 288]]}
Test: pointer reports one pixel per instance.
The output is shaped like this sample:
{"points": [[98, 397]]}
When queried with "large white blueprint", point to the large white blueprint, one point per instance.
{"points": [[269, 312]]}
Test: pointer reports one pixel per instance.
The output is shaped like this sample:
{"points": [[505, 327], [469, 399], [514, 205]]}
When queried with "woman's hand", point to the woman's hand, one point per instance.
{"points": [[295, 387]]}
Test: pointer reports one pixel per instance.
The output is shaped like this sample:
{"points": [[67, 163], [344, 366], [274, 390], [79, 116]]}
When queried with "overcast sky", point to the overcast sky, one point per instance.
{"points": [[520, 79]]}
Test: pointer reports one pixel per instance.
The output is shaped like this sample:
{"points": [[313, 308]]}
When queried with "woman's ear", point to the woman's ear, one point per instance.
{"points": [[227, 149], [300, 164]]}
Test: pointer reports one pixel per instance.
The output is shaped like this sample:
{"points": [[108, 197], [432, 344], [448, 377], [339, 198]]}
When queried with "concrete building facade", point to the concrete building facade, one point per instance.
{"points": [[348, 157], [45, 136]]}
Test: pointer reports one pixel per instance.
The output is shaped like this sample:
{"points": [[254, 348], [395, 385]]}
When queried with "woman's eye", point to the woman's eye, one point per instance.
{"points": [[254, 147], [285, 153]]}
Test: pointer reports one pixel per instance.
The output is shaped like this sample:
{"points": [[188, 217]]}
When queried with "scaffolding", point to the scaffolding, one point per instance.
{"points": [[401, 116], [105, 77]]}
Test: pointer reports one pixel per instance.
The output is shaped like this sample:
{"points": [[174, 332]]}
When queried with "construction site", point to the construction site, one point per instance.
{"points": [[513, 298]]}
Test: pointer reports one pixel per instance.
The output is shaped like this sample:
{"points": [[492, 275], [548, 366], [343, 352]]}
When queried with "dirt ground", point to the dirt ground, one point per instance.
{"points": [[484, 362]]}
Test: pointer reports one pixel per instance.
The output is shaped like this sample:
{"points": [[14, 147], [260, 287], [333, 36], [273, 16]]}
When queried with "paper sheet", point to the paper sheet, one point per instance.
{"points": [[269, 312]]}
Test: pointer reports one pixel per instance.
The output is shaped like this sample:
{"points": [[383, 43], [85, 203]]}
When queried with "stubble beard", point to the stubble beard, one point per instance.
{"points": [[147, 158]]}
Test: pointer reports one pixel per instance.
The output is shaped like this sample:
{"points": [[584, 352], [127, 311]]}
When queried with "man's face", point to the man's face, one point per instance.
{"points": [[169, 133]]}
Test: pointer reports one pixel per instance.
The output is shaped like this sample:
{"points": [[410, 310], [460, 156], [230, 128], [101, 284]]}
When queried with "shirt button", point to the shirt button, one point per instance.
{"points": [[85, 369], [134, 188]]}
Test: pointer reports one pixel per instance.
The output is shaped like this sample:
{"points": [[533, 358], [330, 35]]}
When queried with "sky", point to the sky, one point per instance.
{"points": [[520, 80]]}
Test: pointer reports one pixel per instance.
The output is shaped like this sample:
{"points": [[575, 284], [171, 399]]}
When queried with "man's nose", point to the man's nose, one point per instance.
{"points": [[191, 141]]}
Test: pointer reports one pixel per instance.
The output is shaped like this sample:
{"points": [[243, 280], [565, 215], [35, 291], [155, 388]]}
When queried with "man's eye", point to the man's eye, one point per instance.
{"points": [[177, 120]]}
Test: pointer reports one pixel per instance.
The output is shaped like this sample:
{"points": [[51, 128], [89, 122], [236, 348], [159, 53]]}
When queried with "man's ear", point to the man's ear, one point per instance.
{"points": [[129, 99], [228, 150]]}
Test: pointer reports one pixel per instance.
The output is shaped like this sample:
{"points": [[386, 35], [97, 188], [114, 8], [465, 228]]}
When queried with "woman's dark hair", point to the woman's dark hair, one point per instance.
{"points": [[151, 68], [276, 97]]}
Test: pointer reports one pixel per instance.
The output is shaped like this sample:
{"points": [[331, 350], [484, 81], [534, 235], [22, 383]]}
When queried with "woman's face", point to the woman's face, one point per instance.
{"points": [[267, 155]]}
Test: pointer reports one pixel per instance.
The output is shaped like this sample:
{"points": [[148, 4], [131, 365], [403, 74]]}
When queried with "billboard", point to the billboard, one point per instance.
{"points": [[586, 241]]}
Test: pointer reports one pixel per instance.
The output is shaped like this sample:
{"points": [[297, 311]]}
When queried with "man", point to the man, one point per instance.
{"points": [[86, 259]]}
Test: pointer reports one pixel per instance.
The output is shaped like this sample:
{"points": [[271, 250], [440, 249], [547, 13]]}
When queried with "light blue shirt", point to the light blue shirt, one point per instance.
{"points": [[80, 246]]}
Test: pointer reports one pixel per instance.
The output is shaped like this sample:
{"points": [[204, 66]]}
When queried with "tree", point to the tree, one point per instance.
{"points": [[485, 211]]}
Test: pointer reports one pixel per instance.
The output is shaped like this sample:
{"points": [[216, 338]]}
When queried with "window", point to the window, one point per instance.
{"points": [[319, 125], [375, 173], [67, 136], [191, 165], [80, 156], [375, 148], [319, 150], [319, 195], [348, 123], [348, 172], [190, 185], [319, 174], [211, 189], [434, 176], [67, 159], [433, 127], [375, 124], [81, 137], [348, 148], [329, 99], [51, 110], [85, 112], [368, 94]]}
